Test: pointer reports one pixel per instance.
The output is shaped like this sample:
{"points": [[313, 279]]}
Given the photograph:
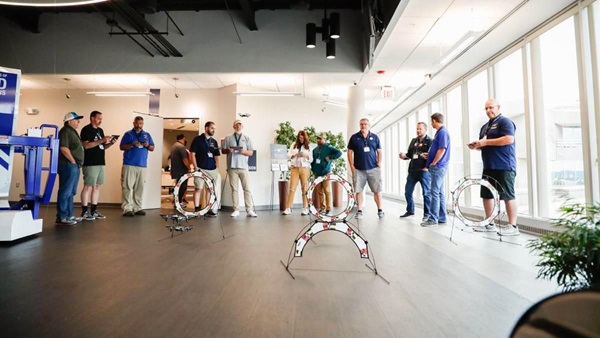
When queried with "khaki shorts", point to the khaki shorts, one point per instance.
{"points": [[371, 176], [93, 175]]}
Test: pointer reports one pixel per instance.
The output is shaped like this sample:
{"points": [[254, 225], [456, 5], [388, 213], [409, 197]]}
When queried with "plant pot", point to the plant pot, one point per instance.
{"points": [[338, 193], [283, 186]]}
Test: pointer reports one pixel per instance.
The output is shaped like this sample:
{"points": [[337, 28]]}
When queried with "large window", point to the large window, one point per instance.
{"points": [[454, 120], [562, 153], [477, 95], [394, 151], [404, 138], [508, 75]]}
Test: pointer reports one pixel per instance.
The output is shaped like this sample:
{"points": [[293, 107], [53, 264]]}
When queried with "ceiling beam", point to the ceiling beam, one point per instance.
{"points": [[249, 14]]}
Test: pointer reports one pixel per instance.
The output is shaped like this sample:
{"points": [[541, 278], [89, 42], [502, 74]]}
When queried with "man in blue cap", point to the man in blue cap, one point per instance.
{"points": [[70, 159]]}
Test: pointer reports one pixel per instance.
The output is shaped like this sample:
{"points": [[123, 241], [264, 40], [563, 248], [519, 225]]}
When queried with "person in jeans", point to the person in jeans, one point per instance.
{"points": [[300, 158], [364, 158], [417, 172], [238, 148], [70, 159], [438, 157], [135, 144], [205, 156], [498, 153], [94, 144], [323, 155], [180, 165]]}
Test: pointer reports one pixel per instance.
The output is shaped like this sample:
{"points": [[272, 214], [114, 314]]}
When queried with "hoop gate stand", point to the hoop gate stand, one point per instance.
{"points": [[337, 223], [459, 187], [184, 215]]}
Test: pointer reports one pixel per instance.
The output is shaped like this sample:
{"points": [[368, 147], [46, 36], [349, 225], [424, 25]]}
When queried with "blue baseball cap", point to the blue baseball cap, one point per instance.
{"points": [[72, 116]]}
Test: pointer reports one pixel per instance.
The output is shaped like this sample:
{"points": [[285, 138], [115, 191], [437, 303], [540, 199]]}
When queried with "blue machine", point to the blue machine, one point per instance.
{"points": [[21, 219]]}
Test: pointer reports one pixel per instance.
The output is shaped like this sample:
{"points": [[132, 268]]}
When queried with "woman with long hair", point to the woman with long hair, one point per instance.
{"points": [[300, 159]]}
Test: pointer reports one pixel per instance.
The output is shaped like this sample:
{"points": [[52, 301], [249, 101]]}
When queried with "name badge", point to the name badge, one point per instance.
{"points": [[236, 151], [367, 149], [210, 155], [415, 156], [318, 161], [101, 146]]}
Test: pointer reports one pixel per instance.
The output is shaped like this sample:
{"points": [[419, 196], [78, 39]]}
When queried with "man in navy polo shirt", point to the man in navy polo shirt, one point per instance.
{"points": [[364, 157], [205, 155], [135, 144], [497, 145], [438, 157]]}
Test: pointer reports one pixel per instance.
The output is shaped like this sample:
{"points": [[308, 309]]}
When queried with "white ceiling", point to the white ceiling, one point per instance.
{"points": [[420, 34]]}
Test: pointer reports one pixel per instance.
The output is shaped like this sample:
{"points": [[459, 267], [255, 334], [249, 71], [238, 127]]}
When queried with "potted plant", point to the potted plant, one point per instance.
{"points": [[285, 135], [338, 167], [571, 256]]}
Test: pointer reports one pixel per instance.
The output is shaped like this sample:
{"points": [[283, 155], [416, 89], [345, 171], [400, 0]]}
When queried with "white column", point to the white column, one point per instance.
{"points": [[356, 109]]}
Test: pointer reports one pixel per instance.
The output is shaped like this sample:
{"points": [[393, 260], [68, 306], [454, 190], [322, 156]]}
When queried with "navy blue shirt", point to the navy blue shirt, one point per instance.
{"points": [[440, 140], [136, 156], [203, 147], [364, 160], [498, 157]]}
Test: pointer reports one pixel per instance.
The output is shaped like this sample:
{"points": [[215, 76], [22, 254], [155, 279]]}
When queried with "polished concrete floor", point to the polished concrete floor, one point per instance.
{"points": [[126, 277]]}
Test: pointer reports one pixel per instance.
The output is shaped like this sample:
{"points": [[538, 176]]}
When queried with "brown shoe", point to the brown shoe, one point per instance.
{"points": [[140, 213], [128, 214]]}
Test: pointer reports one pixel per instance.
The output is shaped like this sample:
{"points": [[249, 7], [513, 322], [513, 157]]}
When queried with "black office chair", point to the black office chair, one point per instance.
{"points": [[573, 314]]}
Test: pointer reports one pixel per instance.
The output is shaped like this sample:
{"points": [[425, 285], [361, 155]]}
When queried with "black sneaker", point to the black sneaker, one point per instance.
{"points": [[196, 209], [87, 216], [140, 213], [406, 214], [129, 214], [98, 215], [210, 213]]}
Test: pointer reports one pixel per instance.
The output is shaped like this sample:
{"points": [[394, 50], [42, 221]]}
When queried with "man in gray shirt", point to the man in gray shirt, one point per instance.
{"points": [[180, 165], [238, 148]]}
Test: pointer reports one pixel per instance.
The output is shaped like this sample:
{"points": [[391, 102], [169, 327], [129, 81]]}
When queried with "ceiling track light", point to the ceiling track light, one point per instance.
{"points": [[329, 30]]}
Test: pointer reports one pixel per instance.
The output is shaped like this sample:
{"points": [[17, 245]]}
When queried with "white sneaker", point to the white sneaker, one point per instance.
{"points": [[510, 230], [287, 211], [304, 212], [251, 213], [235, 213], [486, 228]]}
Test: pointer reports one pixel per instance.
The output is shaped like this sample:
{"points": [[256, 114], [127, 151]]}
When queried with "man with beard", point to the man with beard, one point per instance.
{"points": [[205, 156]]}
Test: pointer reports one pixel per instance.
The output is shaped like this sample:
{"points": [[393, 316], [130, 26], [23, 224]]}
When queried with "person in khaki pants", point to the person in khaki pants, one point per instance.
{"points": [[323, 155], [300, 159], [238, 148], [135, 144]]}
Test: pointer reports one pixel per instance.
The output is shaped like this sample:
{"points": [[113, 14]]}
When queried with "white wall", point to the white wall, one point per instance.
{"points": [[219, 106], [116, 111]]}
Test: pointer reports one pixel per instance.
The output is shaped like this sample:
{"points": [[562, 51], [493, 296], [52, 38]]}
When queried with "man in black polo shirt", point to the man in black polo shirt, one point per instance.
{"points": [[94, 144], [417, 172], [180, 165], [205, 154]]}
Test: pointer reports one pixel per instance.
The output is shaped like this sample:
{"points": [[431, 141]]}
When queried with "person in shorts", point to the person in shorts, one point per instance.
{"points": [[365, 157], [498, 153], [94, 144]]}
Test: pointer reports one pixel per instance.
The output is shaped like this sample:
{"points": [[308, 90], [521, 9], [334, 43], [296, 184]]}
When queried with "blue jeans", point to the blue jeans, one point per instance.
{"points": [[413, 178], [437, 208], [68, 177]]}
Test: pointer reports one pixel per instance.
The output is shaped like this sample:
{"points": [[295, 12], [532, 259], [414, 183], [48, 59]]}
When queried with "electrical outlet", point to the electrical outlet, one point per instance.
{"points": [[17, 184]]}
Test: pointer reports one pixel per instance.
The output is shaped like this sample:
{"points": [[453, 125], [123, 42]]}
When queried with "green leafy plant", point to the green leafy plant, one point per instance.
{"points": [[573, 255], [312, 134], [338, 167], [285, 135]]}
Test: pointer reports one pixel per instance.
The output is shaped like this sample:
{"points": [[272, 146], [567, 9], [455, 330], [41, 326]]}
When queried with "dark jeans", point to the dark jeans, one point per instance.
{"points": [[68, 177], [413, 178], [182, 188], [437, 208]]}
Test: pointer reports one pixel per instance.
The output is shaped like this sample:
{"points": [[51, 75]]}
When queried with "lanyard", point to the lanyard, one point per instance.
{"points": [[366, 139], [489, 125], [207, 140], [237, 139]]}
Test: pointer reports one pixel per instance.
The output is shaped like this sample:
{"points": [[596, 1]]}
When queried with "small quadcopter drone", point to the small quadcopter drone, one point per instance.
{"points": [[176, 223], [244, 115]]}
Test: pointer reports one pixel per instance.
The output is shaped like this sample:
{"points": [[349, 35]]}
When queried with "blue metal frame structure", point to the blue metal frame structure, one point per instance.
{"points": [[32, 148]]}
